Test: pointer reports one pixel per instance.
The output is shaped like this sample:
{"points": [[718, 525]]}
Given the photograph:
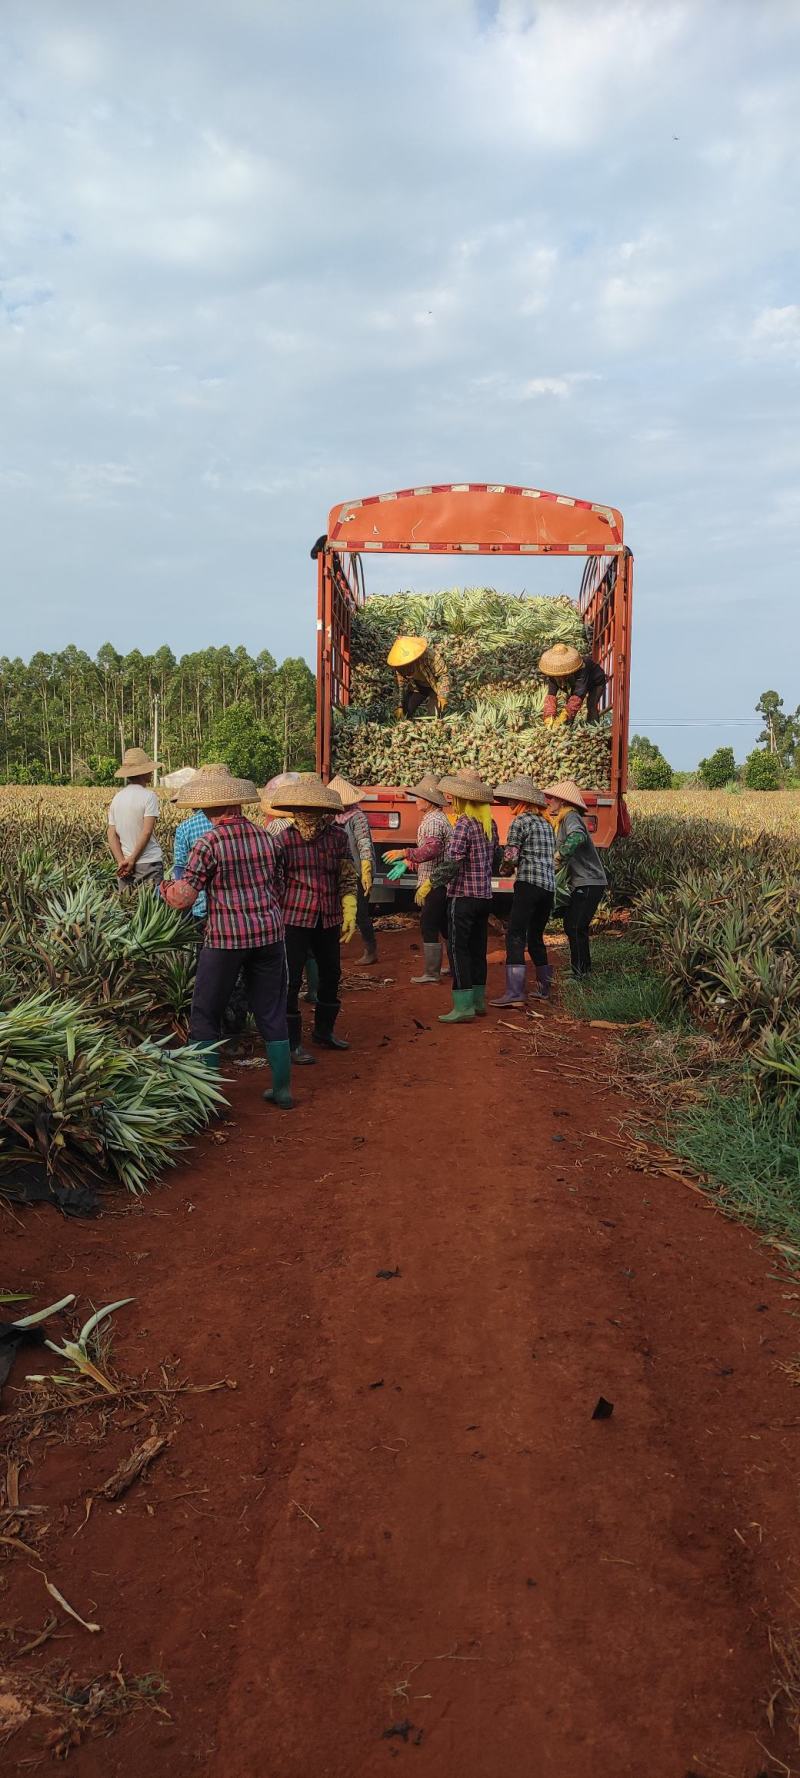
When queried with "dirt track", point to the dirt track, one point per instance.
{"points": [[541, 1595]]}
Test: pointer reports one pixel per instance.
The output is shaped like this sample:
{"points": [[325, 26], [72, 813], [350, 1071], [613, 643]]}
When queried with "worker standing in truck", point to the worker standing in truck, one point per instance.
{"points": [[576, 677], [421, 676]]}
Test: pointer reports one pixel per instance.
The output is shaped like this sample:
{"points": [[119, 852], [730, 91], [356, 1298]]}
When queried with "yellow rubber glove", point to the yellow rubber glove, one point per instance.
{"points": [[366, 875], [348, 918], [423, 892], [560, 718], [549, 721]]}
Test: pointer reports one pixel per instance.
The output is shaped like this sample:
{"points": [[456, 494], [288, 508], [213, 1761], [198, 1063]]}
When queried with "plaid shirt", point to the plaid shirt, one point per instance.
{"points": [[185, 836], [236, 864], [433, 838], [315, 874], [531, 846], [359, 838], [467, 865]]}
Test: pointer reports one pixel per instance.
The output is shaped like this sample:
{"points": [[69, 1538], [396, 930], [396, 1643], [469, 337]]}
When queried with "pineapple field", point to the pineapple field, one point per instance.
{"points": [[487, 646], [95, 989]]}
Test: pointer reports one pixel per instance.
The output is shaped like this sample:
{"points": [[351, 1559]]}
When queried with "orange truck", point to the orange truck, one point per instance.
{"points": [[470, 519]]}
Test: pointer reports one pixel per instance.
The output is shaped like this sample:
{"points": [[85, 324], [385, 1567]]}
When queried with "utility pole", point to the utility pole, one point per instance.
{"points": [[772, 742]]}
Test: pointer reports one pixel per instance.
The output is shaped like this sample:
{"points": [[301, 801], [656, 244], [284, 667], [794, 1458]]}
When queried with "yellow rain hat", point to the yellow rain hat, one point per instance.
{"points": [[406, 650]]}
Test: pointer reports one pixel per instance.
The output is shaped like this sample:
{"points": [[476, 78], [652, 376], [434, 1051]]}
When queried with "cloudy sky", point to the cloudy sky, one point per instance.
{"points": [[260, 257]]}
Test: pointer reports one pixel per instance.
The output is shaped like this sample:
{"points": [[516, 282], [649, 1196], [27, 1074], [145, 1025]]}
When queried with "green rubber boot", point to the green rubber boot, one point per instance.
{"points": [[479, 1000], [209, 1055], [463, 1009], [280, 1062]]}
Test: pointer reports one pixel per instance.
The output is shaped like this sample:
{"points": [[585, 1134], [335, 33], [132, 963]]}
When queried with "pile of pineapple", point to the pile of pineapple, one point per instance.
{"points": [[490, 644]]}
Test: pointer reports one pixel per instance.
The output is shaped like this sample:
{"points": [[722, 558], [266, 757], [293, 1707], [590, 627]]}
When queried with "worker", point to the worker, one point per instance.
{"points": [[421, 677], [234, 1017], [586, 876], [529, 852], [276, 824], [319, 902], [434, 834], [362, 852], [466, 870], [578, 677], [132, 818], [234, 863]]}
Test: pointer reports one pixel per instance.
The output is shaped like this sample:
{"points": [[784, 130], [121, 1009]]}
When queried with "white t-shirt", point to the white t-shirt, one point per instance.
{"points": [[129, 809]]}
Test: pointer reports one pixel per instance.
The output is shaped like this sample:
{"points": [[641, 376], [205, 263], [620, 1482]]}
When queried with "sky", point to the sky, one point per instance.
{"points": [[259, 258]]}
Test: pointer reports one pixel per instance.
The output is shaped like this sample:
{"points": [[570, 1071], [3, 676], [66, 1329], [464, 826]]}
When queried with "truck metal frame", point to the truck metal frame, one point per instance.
{"points": [[476, 519]]}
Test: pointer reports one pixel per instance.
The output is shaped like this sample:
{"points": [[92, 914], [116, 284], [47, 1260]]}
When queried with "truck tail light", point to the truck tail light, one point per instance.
{"points": [[393, 819]]}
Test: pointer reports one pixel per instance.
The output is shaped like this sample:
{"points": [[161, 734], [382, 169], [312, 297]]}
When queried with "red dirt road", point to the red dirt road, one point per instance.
{"points": [[540, 1595]]}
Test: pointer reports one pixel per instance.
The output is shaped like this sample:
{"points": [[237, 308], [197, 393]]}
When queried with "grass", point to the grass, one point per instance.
{"points": [[750, 1154], [622, 988]]}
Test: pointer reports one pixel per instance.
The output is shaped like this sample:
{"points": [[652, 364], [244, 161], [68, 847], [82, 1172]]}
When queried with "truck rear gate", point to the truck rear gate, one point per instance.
{"points": [[475, 519]]}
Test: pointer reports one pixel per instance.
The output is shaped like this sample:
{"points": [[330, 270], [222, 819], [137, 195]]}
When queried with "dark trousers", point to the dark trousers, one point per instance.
{"points": [[323, 944], [364, 919], [433, 919], [578, 916], [467, 940], [265, 980], [531, 907]]}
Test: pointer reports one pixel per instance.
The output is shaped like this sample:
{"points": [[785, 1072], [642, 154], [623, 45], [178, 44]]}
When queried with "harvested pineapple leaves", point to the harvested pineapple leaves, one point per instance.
{"points": [[489, 644]]}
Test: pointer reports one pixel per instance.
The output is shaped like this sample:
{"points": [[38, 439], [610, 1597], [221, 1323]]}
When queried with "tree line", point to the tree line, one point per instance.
{"points": [[773, 763], [67, 717]]}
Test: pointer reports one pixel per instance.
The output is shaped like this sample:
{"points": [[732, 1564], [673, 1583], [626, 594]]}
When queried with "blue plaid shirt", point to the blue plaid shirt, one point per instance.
{"points": [[531, 846], [185, 836]]}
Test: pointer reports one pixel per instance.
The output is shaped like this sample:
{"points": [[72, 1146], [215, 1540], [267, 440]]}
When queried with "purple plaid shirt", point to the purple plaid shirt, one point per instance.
{"points": [[433, 838], [316, 874], [235, 863], [467, 865]]}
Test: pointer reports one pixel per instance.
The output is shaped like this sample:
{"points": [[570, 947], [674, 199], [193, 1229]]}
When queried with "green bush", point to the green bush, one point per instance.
{"points": [[719, 769], [242, 743], [763, 771], [650, 771]]}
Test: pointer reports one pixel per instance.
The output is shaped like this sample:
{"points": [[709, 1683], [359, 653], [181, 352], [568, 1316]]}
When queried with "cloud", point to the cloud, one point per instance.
{"points": [[253, 263]]}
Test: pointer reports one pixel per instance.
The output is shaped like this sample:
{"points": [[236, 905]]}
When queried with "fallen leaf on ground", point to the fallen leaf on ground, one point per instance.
{"points": [[133, 1466]]}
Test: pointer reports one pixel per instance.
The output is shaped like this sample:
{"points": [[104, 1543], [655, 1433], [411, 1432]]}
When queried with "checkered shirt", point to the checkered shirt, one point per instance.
{"points": [[185, 836], [236, 863], [467, 865], [531, 845], [359, 836], [433, 838], [316, 874]]}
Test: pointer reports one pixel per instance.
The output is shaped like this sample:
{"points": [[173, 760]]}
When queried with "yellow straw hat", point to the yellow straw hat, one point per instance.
{"points": [[560, 660], [214, 787], [349, 793], [521, 790], [428, 790], [566, 791], [406, 650], [307, 792], [136, 764], [468, 786]]}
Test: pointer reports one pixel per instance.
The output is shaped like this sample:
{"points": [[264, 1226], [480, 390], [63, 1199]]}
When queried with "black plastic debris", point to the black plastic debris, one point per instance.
{"points": [[558, 1138], [11, 1339], [384, 1274], [603, 1409], [399, 1731], [30, 1183], [378, 1385]]}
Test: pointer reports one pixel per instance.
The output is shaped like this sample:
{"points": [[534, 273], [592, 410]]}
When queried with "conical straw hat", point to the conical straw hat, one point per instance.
{"points": [[566, 791], [428, 790], [136, 764], [281, 781], [406, 650], [187, 776], [349, 793], [308, 792], [521, 790], [560, 660], [214, 787], [467, 785]]}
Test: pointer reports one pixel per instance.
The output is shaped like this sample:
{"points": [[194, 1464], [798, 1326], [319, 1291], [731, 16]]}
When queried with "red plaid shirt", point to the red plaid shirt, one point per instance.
{"points": [[316, 874], [235, 863], [467, 865]]}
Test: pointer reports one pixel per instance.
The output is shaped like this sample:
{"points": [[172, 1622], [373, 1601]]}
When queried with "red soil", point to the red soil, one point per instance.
{"points": [[538, 1593]]}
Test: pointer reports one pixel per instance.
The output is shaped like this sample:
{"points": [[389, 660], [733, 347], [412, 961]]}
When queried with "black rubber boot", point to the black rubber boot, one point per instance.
{"points": [[300, 1057], [324, 1022]]}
